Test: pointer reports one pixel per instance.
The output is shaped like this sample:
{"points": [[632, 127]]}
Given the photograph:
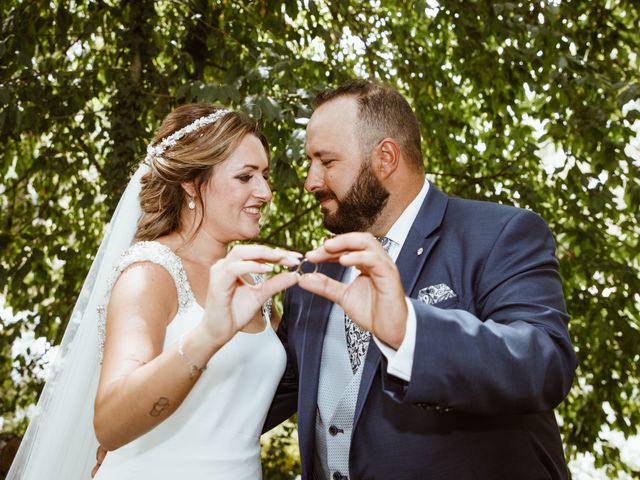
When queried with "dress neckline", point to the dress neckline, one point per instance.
{"points": [[192, 297]]}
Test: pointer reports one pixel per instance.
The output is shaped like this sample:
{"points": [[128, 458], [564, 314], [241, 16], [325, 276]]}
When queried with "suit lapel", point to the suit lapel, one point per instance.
{"points": [[422, 237], [317, 318]]}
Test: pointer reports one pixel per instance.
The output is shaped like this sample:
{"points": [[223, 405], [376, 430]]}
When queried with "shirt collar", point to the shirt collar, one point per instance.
{"points": [[400, 229]]}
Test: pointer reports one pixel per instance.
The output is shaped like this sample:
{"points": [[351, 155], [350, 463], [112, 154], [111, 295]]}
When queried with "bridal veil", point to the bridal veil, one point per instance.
{"points": [[60, 442]]}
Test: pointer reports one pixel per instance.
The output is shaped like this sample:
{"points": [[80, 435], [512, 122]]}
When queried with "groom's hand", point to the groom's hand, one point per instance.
{"points": [[375, 299]]}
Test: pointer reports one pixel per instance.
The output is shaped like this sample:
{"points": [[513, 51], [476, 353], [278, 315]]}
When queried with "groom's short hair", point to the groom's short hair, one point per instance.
{"points": [[382, 112]]}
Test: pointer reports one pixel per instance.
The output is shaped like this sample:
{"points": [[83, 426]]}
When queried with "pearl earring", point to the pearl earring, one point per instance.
{"points": [[191, 204]]}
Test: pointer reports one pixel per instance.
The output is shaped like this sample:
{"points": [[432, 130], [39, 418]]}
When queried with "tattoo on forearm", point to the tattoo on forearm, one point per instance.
{"points": [[160, 406], [136, 360]]}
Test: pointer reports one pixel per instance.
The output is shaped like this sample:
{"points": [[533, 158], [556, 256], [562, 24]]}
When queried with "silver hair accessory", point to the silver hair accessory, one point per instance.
{"points": [[171, 140]]}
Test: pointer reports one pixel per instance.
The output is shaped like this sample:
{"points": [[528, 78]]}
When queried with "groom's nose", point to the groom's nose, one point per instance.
{"points": [[315, 177]]}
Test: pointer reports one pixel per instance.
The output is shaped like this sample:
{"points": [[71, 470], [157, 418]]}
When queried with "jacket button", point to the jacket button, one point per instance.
{"points": [[333, 430]]}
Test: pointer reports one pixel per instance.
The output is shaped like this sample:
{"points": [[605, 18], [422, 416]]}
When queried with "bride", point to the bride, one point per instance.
{"points": [[190, 362]]}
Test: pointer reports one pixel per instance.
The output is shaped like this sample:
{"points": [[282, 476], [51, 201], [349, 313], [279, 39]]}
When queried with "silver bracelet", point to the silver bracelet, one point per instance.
{"points": [[193, 368]]}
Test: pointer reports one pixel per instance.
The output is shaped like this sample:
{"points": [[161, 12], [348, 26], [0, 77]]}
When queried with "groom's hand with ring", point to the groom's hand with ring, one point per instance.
{"points": [[375, 300]]}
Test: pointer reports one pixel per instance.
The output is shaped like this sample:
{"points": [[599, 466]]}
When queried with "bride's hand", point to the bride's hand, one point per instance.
{"points": [[231, 304]]}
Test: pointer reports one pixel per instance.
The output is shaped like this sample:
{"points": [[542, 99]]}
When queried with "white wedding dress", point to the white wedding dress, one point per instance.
{"points": [[215, 433]]}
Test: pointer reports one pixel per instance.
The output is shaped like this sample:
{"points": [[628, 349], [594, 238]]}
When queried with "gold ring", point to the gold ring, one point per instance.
{"points": [[299, 267]]}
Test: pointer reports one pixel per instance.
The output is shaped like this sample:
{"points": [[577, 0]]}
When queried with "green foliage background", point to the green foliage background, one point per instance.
{"points": [[83, 85]]}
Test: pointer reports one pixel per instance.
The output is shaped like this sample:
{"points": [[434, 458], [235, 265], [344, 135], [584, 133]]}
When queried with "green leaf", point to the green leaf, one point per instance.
{"points": [[182, 91]]}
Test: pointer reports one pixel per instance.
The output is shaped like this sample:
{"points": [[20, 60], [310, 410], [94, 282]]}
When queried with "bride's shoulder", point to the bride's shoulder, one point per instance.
{"points": [[150, 272], [147, 262], [153, 266], [148, 249], [153, 255]]}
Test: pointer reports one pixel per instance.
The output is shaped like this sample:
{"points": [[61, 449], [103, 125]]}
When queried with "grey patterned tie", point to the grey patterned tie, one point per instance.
{"points": [[358, 339]]}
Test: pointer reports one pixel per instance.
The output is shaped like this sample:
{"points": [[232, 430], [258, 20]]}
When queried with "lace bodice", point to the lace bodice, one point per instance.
{"points": [[158, 253]]}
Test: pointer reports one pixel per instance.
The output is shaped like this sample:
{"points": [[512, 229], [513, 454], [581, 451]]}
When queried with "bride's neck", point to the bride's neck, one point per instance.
{"points": [[199, 247]]}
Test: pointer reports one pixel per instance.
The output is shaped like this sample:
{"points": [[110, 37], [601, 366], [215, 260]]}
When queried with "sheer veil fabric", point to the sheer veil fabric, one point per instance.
{"points": [[60, 442]]}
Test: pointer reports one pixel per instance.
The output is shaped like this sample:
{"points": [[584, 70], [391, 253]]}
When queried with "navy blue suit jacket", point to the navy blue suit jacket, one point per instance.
{"points": [[489, 365]]}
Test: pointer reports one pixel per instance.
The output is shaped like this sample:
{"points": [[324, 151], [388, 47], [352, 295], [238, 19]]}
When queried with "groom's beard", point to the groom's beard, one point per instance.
{"points": [[361, 205]]}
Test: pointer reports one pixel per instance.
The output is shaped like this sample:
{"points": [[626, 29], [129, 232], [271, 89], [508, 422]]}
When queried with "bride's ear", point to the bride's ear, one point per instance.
{"points": [[189, 188]]}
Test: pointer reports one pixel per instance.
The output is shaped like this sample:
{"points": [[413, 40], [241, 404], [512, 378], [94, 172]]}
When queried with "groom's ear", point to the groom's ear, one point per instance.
{"points": [[189, 188], [387, 155]]}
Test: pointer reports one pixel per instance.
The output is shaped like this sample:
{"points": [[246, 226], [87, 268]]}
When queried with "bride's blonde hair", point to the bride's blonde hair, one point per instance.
{"points": [[191, 159]]}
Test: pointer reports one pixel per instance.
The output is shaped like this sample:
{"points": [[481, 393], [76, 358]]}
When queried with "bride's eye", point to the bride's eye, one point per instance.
{"points": [[244, 178]]}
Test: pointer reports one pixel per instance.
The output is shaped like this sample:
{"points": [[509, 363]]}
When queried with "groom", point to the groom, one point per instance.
{"points": [[437, 350]]}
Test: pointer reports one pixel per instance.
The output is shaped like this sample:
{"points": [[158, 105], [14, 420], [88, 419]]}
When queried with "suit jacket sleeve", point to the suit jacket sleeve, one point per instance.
{"points": [[513, 353]]}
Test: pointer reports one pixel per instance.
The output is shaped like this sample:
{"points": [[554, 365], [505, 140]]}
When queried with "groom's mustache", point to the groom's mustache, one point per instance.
{"points": [[325, 195]]}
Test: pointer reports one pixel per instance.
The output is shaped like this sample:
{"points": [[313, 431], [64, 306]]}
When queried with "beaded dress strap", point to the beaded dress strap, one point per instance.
{"points": [[148, 251]]}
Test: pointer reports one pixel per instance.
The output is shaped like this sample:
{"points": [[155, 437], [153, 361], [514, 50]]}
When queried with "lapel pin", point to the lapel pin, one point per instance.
{"points": [[420, 250]]}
